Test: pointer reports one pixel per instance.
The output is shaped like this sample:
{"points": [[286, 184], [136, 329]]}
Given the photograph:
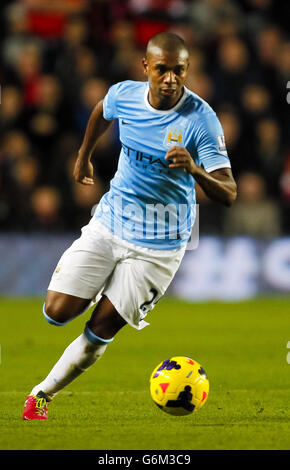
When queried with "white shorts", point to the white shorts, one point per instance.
{"points": [[132, 277]]}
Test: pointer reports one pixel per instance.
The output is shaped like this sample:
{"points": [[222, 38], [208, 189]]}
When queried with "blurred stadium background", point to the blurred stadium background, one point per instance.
{"points": [[58, 58]]}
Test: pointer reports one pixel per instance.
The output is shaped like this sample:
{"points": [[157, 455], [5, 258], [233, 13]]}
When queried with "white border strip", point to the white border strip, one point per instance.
{"points": [[218, 167]]}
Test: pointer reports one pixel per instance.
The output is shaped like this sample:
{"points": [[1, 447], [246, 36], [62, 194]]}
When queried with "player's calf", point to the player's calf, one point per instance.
{"points": [[105, 320]]}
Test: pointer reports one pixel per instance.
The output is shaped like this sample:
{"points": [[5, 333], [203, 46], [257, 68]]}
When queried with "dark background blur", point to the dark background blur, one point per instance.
{"points": [[58, 58]]}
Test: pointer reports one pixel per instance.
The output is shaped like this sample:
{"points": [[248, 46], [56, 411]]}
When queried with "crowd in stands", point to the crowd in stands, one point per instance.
{"points": [[58, 59]]}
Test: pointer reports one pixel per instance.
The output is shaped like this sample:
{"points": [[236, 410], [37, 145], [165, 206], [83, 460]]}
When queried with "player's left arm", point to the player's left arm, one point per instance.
{"points": [[219, 185]]}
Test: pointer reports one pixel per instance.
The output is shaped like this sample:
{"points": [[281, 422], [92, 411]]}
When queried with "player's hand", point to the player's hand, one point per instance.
{"points": [[181, 158], [83, 172]]}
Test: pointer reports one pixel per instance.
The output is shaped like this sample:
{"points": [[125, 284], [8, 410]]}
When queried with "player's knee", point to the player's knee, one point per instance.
{"points": [[54, 314]]}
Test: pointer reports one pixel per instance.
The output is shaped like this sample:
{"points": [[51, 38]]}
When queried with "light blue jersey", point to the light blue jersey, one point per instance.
{"points": [[150, 204]]}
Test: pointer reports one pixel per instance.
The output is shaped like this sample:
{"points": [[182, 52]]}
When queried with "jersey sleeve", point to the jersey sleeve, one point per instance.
{"points": [[109, 104], [210, 144]]}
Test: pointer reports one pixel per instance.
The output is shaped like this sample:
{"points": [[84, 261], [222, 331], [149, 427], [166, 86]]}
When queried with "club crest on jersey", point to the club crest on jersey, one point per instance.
{"points": [[221, 143], [173, 137]]}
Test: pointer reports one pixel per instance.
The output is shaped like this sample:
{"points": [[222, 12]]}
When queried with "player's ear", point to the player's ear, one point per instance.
{"points": [[145, 66]]}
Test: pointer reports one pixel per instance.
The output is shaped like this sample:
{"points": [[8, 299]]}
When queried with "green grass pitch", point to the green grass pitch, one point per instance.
{"points": [[242, 346]]}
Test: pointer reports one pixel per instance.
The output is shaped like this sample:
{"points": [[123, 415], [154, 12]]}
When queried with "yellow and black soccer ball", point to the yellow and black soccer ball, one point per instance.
{"points": [[179, 386]]}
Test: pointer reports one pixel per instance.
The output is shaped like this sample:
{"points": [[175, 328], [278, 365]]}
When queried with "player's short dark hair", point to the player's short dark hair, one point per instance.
{"points": [[167, 42]]}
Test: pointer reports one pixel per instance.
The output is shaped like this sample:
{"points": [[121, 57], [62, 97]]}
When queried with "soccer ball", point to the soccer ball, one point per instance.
{"points": [[179, 386]]}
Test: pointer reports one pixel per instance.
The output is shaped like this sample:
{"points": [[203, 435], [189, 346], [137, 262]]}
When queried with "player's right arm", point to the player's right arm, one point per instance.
{"points": [[97, 125]]}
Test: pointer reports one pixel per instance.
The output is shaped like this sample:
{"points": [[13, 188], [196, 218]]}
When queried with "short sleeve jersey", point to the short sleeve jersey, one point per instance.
{"points": [[148, 203]]}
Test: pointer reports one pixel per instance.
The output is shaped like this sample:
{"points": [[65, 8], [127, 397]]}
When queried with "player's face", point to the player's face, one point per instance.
{"points": [[166, 72]]}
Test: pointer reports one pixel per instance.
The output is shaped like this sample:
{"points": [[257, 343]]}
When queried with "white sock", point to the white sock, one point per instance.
{"points": [[77, 358]]}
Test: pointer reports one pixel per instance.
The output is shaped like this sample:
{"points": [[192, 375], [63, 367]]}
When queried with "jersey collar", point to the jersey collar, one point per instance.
{"points": [[164, 111]]}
